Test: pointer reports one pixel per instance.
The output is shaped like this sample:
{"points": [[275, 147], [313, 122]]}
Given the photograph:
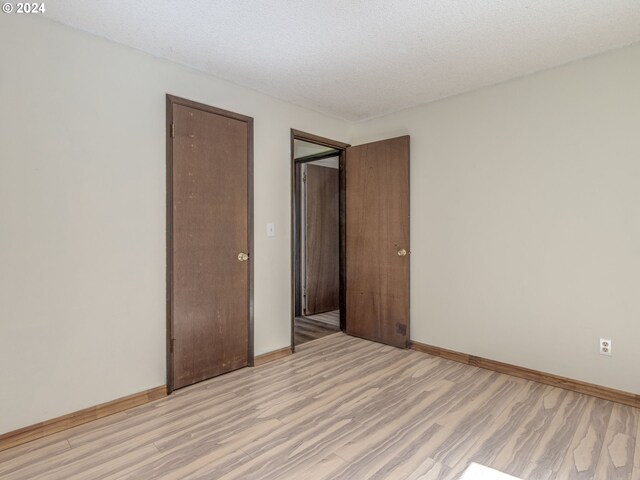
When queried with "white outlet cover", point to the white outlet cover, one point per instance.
{"points": [[606, 346]]}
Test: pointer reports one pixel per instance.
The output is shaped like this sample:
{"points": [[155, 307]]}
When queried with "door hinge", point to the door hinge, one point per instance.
{"points": [[172, 130], [304, 178]]}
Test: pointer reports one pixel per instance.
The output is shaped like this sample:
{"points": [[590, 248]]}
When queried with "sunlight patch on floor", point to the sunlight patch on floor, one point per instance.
{"points": [[476, 471]]}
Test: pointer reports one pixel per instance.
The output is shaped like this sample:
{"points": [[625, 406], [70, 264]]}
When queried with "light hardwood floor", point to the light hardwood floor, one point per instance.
{"points": [[315, 327], [332, 318], [346, 408]]}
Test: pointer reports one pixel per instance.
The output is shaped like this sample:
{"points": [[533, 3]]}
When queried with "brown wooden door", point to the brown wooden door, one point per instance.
{"points": [[377, 241], [210, 172], [322, 240]]}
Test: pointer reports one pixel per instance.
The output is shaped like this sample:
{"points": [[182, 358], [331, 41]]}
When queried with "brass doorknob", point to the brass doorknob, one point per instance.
{"points": [[243, 257], [402, 252]]}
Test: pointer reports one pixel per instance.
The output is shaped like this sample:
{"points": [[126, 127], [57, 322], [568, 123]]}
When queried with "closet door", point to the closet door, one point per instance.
{"points": [[209, 271]]}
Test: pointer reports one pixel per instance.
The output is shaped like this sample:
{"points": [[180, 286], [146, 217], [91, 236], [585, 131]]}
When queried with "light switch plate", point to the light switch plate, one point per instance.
{"points": [[271, 229]]}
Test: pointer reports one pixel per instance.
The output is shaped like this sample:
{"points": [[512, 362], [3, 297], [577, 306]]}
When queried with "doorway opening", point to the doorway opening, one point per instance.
{"points": [[318, 237], [373, 239]]}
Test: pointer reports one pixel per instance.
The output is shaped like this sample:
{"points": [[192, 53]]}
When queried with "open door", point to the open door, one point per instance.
{"points": [[377, 241]]}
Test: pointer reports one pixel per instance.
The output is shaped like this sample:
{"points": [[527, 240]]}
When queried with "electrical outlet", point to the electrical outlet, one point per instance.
{"points": [[605, 346]]}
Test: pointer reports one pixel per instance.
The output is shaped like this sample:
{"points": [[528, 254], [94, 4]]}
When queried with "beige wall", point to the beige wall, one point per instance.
{"points": [[82, 215], [525, 218]]}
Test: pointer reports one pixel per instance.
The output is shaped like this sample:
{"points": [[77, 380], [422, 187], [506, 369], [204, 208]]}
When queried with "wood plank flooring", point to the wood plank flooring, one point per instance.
{"points": [[311, 328], [332, 318], [346, 408]]}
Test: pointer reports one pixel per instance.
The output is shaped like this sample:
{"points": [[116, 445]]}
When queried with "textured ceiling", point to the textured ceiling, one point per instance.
{"points": [[357, 59]]}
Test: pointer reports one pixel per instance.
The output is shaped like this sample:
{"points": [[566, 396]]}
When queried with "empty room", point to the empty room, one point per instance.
{"points": [[343, 240]]}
